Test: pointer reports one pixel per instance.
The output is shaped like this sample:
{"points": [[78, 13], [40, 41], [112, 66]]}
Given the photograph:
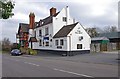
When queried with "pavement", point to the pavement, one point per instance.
{"points": [[49, 65], [111, 52]]}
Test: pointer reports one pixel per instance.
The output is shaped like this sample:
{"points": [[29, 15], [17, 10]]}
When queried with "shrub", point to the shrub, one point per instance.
{"points": [[23, 50], [32, 52], [28, 51]]}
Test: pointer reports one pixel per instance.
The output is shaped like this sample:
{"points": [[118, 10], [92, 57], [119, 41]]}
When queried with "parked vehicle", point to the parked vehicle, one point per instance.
{"points": [[16, 52]]}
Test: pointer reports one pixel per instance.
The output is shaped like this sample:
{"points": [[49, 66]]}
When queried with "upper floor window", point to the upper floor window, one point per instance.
{"points": [[65, 19], [61, 42], [46, 31], [40, 32]]}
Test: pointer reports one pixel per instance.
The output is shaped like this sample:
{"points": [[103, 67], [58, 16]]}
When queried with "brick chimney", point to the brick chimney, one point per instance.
{"points": [[52, 11], [31, 21]]}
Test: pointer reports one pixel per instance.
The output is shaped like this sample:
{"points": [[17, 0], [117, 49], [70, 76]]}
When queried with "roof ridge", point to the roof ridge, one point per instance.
{"points": [[50, 16], [71, 24]]}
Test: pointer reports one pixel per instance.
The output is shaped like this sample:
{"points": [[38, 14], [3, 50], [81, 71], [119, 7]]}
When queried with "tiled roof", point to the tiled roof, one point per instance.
{"points": [[110, 35], [33, 39], [48, 20], [99, 38], [24, 27], [65, 30]]}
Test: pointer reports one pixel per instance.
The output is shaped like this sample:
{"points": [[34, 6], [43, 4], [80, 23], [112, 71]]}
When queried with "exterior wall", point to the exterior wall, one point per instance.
{"points": [[58, 22], [31, 34], [50, 34], [64, 46], [74, 35], [23, 39], [17, 40]]}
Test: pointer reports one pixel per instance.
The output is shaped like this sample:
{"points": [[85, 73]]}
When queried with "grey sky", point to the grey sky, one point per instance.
{"points": [[89, 13]]}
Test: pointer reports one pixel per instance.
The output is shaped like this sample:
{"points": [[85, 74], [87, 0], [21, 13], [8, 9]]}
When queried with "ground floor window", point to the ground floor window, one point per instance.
{"points": [[47, 44], [61, 42], [56, 42], [79, 46], [40, 42]]}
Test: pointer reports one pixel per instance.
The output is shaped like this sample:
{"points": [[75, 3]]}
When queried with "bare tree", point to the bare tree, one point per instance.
{"points": [[6, 44], [0, 45], [110, 29], [92, 32]]}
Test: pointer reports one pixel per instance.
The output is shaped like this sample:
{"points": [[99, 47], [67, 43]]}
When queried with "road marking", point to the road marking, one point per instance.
{"points": [[72, 73], [31, 63], [17, 60], [26, 62], [35, 64]]}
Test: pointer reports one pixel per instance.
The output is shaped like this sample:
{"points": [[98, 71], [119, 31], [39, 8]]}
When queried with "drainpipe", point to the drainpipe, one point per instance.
{"points": [[68, 53]]}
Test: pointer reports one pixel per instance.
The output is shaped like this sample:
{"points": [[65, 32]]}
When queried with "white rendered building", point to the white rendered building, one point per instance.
{"points": [[58, 33]]}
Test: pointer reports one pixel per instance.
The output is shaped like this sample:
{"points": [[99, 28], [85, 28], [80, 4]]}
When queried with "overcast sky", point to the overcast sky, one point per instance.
{"points": [[90, 13]]}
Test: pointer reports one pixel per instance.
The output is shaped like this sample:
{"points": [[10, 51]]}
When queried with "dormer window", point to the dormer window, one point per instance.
{"points": [[64, 19], [37, 24], [42, 22]]}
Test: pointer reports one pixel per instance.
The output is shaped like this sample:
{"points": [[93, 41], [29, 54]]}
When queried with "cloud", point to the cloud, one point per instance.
{"points": [[88, 12]]}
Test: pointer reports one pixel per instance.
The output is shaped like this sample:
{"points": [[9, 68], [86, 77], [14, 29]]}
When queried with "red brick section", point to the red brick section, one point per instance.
{"points": [[52, 11], [31, 21], [25, 38]]}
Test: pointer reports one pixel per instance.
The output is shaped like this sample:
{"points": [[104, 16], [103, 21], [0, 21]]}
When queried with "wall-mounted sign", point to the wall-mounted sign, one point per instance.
{"points": [[78, 31], [46, 38]]}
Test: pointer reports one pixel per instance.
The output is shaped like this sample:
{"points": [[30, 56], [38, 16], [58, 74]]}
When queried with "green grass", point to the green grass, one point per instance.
{"points": [[4, 51]]}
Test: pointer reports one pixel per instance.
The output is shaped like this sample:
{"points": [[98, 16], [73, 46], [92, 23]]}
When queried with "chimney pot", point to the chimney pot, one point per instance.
{"points": [[52, 11]]}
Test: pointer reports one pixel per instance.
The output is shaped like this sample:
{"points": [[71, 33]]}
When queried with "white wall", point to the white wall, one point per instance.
{"points": [[75, 38], [36, 44], [58, 20], [64, 47]]}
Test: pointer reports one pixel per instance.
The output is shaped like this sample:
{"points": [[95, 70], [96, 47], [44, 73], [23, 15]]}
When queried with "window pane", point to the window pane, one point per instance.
{"points": [[46, 31], [61, 42], [40, 42], [47, 43], [79, 46], [65, 19], [56, 42], [40, 32]]}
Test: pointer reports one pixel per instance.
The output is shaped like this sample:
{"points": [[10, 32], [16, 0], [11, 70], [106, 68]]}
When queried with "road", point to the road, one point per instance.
{"points": [[38, 66]]}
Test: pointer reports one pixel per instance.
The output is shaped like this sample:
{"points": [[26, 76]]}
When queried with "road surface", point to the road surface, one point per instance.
{"points": [[37, 66]]}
